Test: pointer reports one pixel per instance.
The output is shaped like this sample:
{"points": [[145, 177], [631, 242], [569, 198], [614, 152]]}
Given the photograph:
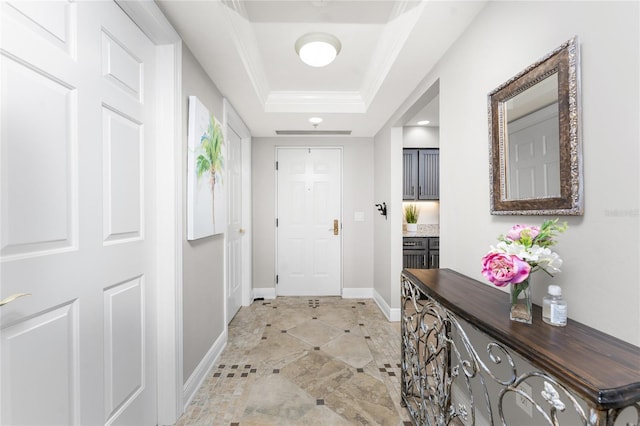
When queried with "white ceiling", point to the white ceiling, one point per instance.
{"points": [[247, 49]]}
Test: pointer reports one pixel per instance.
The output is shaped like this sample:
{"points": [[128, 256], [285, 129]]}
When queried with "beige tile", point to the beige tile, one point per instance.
{"points": [[323, 416], [315, 332], [338, 316], [277, 347], [283, 367], [349, 348], [277, 398], [364, 401], [318, 374]]}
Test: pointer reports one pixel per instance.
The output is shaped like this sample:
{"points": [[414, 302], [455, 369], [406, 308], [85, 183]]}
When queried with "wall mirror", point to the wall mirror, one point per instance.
{"points": [[534, 138]]}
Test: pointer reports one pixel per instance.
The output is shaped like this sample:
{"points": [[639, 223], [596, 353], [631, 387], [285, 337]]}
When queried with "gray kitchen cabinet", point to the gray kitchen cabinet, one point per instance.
{"points": [[421, 252], [421, 174], [410, 174], [434, 253]]}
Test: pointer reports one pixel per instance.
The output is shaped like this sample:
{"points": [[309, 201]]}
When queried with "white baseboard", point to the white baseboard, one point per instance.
{"points": [[392, 315], [202, 370], [265, 293], [357, 293]]}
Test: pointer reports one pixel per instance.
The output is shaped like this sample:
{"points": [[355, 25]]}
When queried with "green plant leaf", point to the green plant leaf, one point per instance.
{"points": [[211, 143], [411, 213]]}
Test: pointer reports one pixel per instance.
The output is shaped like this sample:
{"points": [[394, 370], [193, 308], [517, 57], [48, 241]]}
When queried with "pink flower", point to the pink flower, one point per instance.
{"points": [[515, 233], [502, 269]]}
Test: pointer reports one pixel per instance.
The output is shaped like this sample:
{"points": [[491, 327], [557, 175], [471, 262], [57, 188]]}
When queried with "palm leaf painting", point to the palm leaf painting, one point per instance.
{"points": [[206, 163], [210, 161]]}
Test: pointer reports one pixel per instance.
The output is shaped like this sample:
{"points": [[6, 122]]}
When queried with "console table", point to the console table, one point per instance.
{"points": [[465, 362]]}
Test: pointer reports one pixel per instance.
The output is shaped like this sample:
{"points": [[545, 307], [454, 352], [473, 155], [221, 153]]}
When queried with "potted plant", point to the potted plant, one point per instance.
{"points": [[411, 215]]}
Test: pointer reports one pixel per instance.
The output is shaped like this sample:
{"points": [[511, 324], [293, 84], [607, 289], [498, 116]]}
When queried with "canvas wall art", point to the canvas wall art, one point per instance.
{"points": [[206, 203]]}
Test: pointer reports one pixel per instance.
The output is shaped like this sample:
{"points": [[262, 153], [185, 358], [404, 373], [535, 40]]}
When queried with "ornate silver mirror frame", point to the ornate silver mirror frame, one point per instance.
{"points": [[566, 194]]}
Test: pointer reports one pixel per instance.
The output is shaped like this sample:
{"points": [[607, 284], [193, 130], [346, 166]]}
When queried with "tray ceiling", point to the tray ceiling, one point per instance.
{"points": [[388, 47]]}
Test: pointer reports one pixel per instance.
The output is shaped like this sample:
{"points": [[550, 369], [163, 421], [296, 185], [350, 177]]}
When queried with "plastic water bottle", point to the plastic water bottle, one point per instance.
{"points": [[554, 307]]}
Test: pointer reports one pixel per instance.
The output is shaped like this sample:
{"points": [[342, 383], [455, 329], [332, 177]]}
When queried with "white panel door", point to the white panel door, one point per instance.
{"points": [[235, 232], [77, 222], [534, 155], [309, 204]]}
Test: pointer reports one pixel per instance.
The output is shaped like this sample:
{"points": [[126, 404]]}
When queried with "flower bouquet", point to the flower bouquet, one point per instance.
{"points": [[524, 250]]}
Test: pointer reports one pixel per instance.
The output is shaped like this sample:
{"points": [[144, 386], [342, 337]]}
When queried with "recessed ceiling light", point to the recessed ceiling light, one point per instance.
{"points": [[315, 120], [423, 122], [318, 49]]}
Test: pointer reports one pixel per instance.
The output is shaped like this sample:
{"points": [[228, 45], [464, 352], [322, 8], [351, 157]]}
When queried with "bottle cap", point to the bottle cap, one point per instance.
{"points": [[555, 290]]}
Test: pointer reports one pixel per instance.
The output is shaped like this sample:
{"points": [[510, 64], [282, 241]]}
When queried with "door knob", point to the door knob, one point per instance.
{"points": [[241, 230], [12, 298]]}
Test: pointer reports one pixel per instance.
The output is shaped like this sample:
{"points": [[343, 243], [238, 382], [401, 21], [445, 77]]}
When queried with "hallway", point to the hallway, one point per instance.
{"points": [[304, 361]]}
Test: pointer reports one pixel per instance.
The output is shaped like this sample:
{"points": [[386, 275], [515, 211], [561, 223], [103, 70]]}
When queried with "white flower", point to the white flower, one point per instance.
{"points": [[513, 248], [550, 262], [543, 257]]}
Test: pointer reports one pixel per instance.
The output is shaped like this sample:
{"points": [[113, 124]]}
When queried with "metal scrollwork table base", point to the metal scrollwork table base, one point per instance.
{"points": [[465, 363]]}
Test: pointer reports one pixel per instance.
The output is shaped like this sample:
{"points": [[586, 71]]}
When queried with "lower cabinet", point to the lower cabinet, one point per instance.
{"points": [[434, 253], [421, 252]]}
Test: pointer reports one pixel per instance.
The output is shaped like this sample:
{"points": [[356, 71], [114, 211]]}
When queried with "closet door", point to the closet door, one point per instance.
{"points": [[78, 227]]}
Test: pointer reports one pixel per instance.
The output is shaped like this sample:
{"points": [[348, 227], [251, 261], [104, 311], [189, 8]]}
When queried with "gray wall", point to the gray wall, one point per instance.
{"points": [[203, 259], [600, 277], [388, 233], [357, 160]]}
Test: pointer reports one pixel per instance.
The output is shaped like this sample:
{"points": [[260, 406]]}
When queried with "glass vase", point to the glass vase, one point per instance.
{"points": [[520, 296]]}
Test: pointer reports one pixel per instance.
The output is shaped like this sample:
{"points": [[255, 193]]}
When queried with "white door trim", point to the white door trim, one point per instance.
{"points": [[231, 119], [154, 24]]}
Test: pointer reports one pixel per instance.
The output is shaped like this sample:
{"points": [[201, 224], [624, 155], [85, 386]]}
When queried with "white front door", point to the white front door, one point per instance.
{"points": [[309, 221], [235, 232], [78, 227]]}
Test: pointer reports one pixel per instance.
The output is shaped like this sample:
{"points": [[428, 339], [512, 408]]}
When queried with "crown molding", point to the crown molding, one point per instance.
{"points": [[237, 6], [244, 40], [326, 102], [148, 16], [313, 132], [400, 7], [393, 39], [402, 20]]}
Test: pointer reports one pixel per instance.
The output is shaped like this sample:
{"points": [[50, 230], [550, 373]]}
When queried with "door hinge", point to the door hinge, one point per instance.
{"points": [[276, 165], [277, 278], [276, 222]]}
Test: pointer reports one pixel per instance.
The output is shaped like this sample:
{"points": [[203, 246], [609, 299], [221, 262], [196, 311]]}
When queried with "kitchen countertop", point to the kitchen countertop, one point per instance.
{"points": [[424, 231]]}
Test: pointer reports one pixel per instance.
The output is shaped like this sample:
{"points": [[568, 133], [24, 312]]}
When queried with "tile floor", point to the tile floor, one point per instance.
{"points": [[305, 361]]}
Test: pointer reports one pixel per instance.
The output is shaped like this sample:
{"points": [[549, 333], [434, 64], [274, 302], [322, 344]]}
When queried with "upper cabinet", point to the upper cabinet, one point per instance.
{"points": [[410, 174], [421, 174]]}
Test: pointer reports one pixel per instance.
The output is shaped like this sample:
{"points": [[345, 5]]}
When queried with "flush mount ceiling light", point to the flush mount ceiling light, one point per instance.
{"points": [[318, 49], [315, 120], [423, 122]]}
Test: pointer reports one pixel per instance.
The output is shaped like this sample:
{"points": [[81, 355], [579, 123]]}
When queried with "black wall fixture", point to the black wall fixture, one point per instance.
{"points": [[382, 208]]}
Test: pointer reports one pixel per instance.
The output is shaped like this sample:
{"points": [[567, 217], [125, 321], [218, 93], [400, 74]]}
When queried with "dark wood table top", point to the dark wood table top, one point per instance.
{"points": [[601, 368]]}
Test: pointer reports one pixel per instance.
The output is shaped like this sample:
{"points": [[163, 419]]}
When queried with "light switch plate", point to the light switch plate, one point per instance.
{"points": [[358, 216]]}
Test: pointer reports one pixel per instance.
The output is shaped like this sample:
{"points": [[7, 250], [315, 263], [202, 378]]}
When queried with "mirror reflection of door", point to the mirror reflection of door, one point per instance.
{"points": [[533, 141], [534, 156]]}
